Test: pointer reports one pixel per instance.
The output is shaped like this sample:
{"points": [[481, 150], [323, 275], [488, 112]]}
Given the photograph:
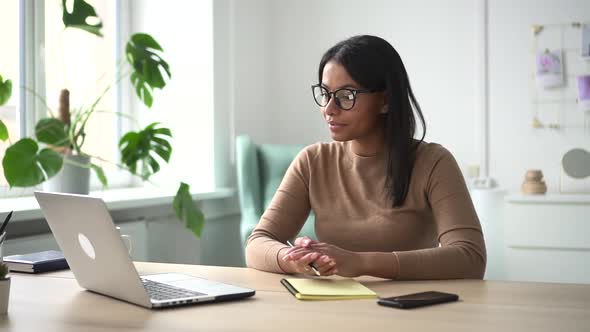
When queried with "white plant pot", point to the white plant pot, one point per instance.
{"points": [[4, 295], [71, 178]]}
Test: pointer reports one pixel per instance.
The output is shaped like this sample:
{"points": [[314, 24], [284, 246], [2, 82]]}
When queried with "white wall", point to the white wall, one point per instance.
{"points": [[440, 43], [515, 146], [242, 32], [242, 56], [277, 46], [436, 40]]}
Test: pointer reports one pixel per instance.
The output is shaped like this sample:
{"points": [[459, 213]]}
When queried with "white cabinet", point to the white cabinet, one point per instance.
{"points": [[489, 204], [547, 238]]}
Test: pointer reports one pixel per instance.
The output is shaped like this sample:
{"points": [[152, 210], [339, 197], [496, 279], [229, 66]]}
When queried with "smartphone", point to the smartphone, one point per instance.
{"points": [[418, 299]]}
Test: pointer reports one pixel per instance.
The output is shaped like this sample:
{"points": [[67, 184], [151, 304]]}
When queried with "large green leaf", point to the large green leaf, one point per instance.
{"points": [[5, 90], [52, 131], [80, 15], [142, 89], [186, 210], [139, 150], [147, 66], [100, 174], [3, 131], [26, 166]]}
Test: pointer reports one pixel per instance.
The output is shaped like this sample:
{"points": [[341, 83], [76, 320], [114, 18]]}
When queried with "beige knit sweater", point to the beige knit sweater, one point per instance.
{"points": [[345, 191]]}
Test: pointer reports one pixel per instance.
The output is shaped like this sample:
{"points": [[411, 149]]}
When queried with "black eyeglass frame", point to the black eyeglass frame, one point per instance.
{"points": [[333, 94]]}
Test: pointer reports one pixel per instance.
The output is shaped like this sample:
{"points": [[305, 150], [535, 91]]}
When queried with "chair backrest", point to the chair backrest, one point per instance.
{"points": [[260, 171]]}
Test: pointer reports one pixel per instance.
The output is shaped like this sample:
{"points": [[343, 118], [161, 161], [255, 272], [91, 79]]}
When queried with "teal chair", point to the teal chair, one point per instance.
{"points": [[260, 171]]}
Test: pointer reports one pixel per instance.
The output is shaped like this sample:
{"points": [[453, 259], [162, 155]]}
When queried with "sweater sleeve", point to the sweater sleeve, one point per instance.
{"points": [[283, 218], [462, 252]]}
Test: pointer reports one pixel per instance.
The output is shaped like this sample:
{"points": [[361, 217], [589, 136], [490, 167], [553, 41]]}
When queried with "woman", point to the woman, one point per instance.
{"points": [[386, 205]]}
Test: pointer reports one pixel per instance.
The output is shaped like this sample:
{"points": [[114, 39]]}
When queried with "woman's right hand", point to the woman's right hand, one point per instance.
{"points": [[298, 259]]}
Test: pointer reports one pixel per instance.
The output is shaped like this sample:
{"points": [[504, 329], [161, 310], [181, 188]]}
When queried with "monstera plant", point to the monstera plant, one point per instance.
{"points": [[33, 160]]}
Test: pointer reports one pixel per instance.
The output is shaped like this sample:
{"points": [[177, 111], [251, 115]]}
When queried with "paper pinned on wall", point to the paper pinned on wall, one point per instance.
{"points": [[584, 92], [549, 69], [586, 41]]}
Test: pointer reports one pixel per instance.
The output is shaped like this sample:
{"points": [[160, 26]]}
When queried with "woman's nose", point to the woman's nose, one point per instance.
{"points": [[331, 108]]}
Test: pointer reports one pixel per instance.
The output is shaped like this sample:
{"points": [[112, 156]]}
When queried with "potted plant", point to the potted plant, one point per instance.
{"points": [[59, 138], [4, 288]]}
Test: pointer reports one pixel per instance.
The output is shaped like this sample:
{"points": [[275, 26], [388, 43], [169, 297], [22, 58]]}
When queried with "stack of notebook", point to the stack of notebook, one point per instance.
{"points": [[37, 262]]}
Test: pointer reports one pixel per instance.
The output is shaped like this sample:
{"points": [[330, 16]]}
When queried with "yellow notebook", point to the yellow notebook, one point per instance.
{"points": [[327, 289]]}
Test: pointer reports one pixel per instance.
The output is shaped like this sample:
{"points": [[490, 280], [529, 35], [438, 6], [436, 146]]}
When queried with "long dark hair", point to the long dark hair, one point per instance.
{"points": [[373, 63]]}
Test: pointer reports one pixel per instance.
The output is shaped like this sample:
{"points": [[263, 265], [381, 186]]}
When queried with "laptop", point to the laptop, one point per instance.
{"points": [[100, 261]]}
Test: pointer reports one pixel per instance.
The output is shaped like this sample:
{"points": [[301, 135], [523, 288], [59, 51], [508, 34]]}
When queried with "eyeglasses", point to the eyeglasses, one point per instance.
{"points": [[345, 98]]}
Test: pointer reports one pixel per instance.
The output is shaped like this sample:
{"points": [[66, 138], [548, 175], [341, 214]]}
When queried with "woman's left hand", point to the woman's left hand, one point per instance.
{"points": [[348, 263]]}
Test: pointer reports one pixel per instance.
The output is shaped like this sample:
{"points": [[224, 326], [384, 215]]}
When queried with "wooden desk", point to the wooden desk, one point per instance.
{"points": [[54, 302]]}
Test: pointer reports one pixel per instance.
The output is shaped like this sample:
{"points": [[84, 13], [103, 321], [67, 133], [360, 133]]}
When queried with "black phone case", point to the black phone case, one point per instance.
{"points": [[399, 302]]}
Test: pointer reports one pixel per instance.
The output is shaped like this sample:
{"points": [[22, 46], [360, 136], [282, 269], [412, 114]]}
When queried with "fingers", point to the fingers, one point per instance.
{"points": [[324, 264], [302, 258], [296, 253], [308, 251], [303, 263], [302, 255], [321, 255], [304, 242], [308, 258]]}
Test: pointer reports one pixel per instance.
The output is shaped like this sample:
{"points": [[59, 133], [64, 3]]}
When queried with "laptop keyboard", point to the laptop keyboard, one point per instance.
{"points": [[159, 291]]}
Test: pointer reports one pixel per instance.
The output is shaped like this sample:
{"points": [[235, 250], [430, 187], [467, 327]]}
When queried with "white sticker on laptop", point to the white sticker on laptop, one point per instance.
{"points": [[86, 246]]}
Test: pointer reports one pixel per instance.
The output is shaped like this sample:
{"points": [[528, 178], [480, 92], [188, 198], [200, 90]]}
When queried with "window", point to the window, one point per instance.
{"points": [[53, 58], [186, 104], [85, 65], [46, 58], [9, 69]]}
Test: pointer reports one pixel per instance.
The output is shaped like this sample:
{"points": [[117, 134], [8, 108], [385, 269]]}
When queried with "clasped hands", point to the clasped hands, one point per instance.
{"points": [[328, 259]]}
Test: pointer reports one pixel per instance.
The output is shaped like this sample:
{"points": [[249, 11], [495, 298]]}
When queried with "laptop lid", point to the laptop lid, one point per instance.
{"points": [[85, 232]]}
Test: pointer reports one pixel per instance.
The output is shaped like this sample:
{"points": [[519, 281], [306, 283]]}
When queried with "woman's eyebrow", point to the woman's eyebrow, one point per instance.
{"points": [[345, 86]]}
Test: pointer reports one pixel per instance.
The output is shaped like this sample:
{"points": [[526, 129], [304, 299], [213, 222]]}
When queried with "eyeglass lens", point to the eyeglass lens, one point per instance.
{"points": [[344, 98]]}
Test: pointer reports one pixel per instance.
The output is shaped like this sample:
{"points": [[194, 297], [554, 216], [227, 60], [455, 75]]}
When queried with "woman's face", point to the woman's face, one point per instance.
{"points": [[361, 121]]}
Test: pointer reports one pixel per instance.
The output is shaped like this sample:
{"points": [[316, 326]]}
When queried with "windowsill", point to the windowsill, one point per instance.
{"points": [[27, 208]]}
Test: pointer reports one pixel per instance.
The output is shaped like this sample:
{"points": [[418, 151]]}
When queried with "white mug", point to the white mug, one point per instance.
{"points": [[126, 240]]}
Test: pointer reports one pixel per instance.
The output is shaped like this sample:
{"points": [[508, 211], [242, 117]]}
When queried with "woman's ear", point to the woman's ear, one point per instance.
{"points": [[385, 104]]}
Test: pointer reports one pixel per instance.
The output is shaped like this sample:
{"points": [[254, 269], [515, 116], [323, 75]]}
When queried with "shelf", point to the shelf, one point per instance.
{"points": [[549, 198]]}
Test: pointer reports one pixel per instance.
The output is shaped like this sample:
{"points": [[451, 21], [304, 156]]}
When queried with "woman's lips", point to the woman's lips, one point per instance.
{"points": [[335, 125]]}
